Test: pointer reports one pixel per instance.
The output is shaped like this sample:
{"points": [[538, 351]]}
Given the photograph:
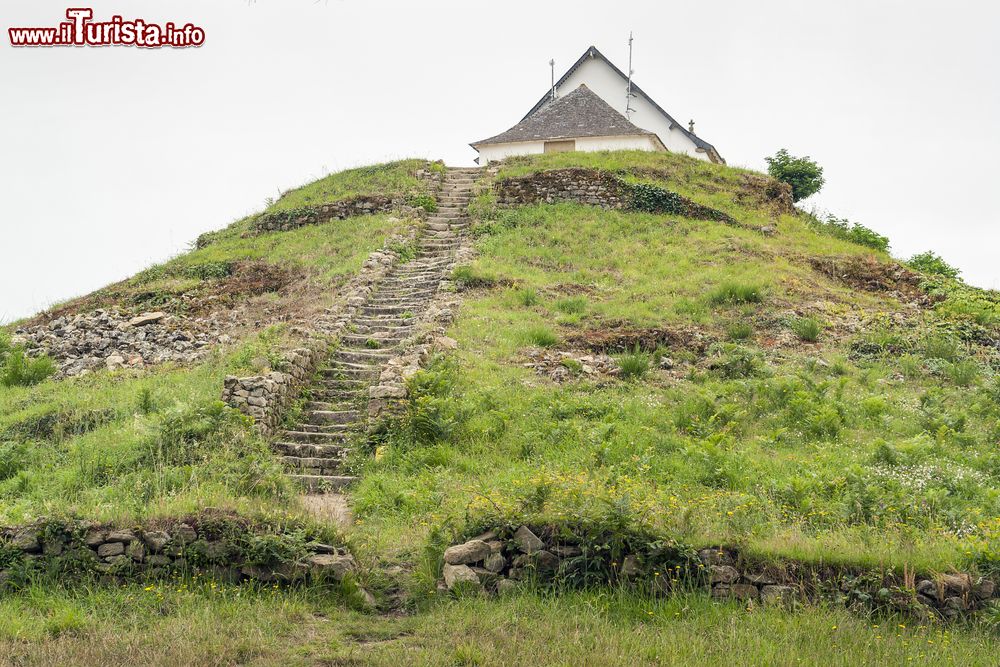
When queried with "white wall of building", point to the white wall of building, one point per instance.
{"points": [[633, 143], [610, 87], [494, 152]]}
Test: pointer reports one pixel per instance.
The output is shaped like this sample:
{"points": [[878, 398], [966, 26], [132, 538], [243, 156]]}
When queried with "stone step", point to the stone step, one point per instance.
{"points": [[308, 449], [333, 374], [323, 483], [388, 341], [334, 364], [334, 405], [310, 427], [388, 310], [366, 356], [316, 438], [402, 327], [312, 465], [403, 289], [341, 417]]}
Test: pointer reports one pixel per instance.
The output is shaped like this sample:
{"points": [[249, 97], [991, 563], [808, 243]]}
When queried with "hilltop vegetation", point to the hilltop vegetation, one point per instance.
{"points": [[781, 384]]}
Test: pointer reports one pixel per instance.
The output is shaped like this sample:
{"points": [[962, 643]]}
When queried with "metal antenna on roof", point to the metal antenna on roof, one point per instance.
{"points": [[552, 66], [628, 91]]}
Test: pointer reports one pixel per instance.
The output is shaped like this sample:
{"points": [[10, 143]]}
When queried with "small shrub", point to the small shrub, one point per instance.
{"points": [[735, 293], [19, 370], [145, 404], [426, 202], [527, 297], [634, 364], [963, 373], [844, 229], [942, 347], [209, 270], [928, 262], [406, 252], [372, 344], [735, 361], [911, 366], [807, 329], [738, 331], [574, 305], [575, 366], [802, 173], [541, 336], [466, 277]]}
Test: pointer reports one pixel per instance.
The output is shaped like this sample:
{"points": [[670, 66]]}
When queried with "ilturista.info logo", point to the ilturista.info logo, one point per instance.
{"points": [[82, 30]]}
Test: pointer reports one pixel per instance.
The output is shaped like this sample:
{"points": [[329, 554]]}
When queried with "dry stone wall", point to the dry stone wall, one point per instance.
{"points": [[599, 188], [498, 560], [283, 221], [222, 549], [265, 397]]}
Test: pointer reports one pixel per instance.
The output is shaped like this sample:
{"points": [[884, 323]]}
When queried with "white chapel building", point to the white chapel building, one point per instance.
{"points": [[584, 116]]}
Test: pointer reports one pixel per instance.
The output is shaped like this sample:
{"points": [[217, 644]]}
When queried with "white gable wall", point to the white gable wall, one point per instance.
{"points": [[610, 87], [493, 152]]}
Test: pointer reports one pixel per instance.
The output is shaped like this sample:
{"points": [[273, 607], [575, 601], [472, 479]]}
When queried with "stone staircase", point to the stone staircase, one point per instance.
{"points": [[314, 450]]}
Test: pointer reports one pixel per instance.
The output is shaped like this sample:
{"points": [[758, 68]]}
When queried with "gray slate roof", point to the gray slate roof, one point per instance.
{"points": [[582, 113], [592, 52]]}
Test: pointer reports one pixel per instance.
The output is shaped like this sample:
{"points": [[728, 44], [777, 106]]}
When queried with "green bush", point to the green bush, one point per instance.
{"points": [[735, 293], [426, 202], [963, 373], [928, 262], [634, 364], [802, 173], [807, 329], [735, 361], [844, 229], [541, 336], [527, 297], [208, 270], [942, 347], [573, 305], [738, 331], [19, 370]]}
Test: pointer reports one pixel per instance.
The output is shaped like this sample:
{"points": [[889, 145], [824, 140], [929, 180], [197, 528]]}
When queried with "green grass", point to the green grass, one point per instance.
{"points": [[753, 445], [807, 329], [389, 179], [122, 445], [188, 623]]}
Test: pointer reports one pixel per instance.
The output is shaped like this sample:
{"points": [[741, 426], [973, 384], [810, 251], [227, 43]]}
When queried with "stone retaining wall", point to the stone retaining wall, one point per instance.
{"points": [[283, 221], [222, 549], [498, 559], [265, 397], [599, 188], [586, 186]]}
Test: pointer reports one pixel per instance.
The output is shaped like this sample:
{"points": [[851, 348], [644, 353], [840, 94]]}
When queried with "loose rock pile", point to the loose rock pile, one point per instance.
{"points": [[563, 365], [110, 339]]}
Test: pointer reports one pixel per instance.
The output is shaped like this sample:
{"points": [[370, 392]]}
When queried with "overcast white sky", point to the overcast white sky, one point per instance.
{"points": [[114, 158]]}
